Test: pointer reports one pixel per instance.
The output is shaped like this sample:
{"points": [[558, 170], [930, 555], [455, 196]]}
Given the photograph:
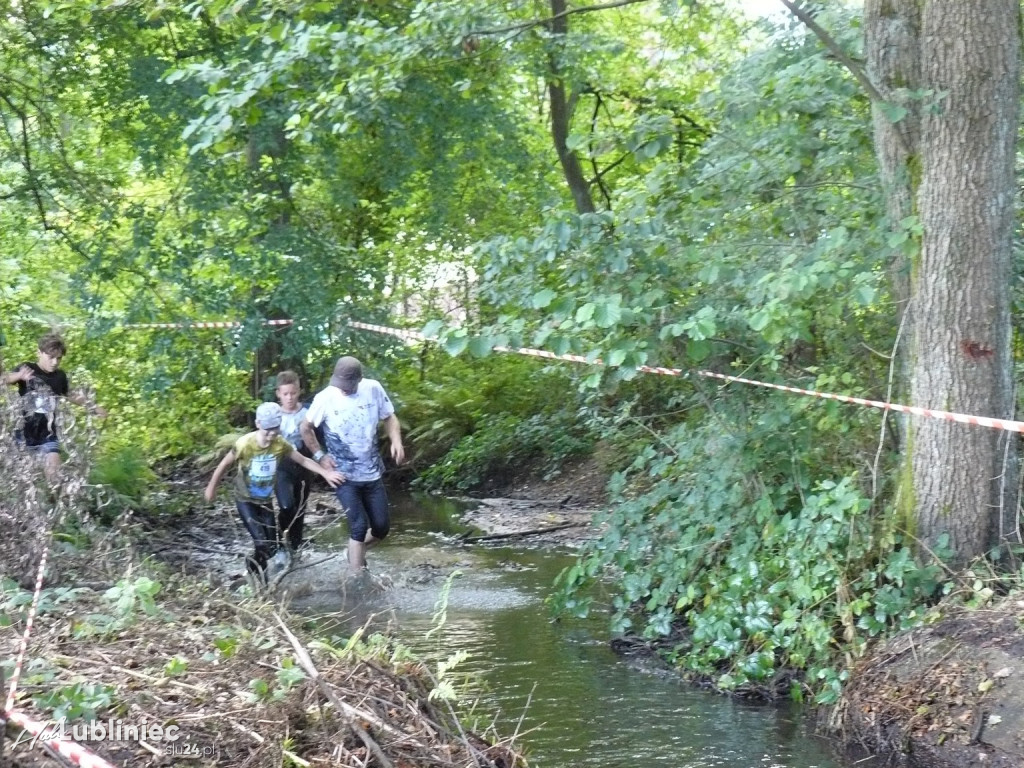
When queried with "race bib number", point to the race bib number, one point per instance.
{"points": [[261, 475]]}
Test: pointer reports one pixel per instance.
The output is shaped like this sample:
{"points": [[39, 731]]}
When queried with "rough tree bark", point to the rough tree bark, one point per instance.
{"points": [[963, 478], [561, 116], [893, 49]]}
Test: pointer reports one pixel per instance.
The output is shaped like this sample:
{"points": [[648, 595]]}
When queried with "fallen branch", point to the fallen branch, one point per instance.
{"points": [[518, 534]]}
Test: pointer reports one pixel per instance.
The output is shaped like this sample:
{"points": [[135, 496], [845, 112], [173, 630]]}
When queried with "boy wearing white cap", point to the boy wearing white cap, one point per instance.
{"points": [[258, 454]]}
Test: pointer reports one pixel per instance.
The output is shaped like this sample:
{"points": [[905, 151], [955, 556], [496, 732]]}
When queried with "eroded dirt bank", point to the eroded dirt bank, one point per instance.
{"points": [[948, 695], [554, 511]]}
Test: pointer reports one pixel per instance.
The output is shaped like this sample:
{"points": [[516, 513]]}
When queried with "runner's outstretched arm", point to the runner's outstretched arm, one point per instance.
{"points": [[218, 473], [333, 477]]}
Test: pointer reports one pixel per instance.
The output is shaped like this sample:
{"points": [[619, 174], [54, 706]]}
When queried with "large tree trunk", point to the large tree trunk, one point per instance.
{"points": [[892, 37], [963, 477]]}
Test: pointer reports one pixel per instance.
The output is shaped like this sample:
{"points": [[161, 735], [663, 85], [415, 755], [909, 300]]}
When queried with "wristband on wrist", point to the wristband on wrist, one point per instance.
{"points": [[318, 455]]}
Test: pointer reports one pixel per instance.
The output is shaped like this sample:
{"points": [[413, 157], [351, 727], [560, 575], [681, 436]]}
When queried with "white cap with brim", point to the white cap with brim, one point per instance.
{"points": [[268, 416]]}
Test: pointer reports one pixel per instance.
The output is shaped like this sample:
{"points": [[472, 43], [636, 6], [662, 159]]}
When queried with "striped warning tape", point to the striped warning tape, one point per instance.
{"points": [[30, 618], [960, 418], [199, 325], [71, 750]]}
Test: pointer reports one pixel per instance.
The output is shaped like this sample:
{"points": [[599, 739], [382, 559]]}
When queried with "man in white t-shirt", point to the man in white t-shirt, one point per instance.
{"points": [[351, 409]]}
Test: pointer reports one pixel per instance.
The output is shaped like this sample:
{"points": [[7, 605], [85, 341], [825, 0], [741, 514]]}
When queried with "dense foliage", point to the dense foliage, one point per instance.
{"points": [[489, 421], [773, 569], [332, 161]]}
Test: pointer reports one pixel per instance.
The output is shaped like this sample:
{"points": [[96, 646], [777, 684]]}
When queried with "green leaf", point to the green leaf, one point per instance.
{"points": [[759, 321], [703, 325], [615, 357], [277, 32], [650, 149], [607, 314], [574, 141], [564, 233], [671, 331], [562, 307], [698, 349], [897, 238], [480, 346], [894, 112], [560, 345], [543, 298], [865, 294], [586, 312], [708, 274], [456, 343], [432, 329]]}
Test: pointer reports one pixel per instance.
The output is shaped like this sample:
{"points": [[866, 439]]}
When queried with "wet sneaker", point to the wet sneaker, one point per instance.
{"points": [[278, 562], [278, 568], [362, 583]]}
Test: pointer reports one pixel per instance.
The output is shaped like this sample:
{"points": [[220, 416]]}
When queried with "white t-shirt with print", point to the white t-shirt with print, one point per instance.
{"points": [[290, 423], [351, 427]]}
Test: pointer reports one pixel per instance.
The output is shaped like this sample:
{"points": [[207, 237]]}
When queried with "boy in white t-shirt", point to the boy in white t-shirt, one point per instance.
{"points": [[351, 409], [293, 480]]}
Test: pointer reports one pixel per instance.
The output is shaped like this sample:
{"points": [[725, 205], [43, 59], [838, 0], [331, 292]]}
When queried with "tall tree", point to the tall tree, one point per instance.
{"points": [[962, 61], [892, 36], [562, 106]]}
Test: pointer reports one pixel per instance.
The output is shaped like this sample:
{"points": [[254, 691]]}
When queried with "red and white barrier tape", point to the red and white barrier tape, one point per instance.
{"points": [[960, 418], [200, 325], [71, 750], [33, 607]]}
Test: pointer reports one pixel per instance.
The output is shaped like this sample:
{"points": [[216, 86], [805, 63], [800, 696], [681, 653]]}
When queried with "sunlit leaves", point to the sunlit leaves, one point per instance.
{"points": [[432, 329], [585, 313], [608, 312], [480, 346]]}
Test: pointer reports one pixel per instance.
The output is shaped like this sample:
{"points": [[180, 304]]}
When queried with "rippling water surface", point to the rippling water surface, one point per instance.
{"points": [[574, 702]]}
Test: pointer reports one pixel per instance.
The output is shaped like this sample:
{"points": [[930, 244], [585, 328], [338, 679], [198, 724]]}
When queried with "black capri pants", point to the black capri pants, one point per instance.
{"points": [[366, 505]]}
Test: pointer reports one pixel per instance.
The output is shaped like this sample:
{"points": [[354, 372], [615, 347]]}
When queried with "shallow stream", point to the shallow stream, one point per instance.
{"points": [[572, 700]]}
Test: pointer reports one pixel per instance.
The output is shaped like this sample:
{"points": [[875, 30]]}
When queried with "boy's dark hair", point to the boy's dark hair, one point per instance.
{"points": [[52, 344], [286, 377]]}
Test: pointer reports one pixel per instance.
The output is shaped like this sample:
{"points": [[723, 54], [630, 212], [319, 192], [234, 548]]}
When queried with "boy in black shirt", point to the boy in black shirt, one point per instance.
{"points": [[39, 385]]}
